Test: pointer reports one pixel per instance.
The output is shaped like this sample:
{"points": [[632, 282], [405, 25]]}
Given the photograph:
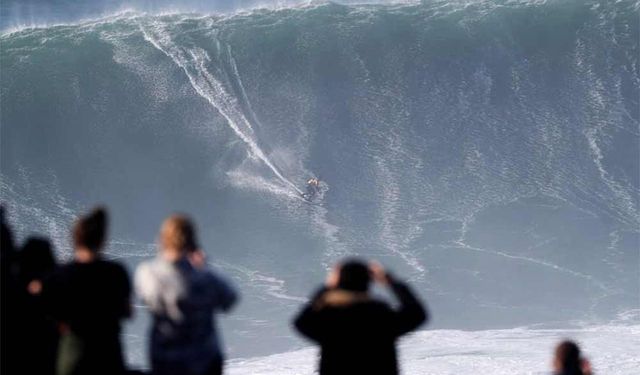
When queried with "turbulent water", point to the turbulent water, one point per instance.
{"points": [[492, 352], [487, 151]]}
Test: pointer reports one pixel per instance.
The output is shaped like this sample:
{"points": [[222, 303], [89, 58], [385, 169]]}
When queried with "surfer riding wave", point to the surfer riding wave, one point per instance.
{"points": [[313, 188]]}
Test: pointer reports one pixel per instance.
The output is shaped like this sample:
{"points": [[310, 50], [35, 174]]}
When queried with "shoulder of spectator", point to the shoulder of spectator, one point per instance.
{"points": [[319, 292], [224, 285]]}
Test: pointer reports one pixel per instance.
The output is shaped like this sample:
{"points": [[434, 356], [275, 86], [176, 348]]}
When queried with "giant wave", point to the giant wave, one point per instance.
{"points": [[487, 151]]}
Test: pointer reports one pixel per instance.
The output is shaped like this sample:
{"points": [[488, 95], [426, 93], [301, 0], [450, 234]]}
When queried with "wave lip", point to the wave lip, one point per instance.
{"points": [[17, 15]]}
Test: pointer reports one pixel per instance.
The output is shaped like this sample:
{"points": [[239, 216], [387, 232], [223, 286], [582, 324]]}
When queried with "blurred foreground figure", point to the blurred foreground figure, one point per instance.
{"points": [[12, 303], [568, 360], [182, 295], [40, 334], [356, 333], [88, 298]]}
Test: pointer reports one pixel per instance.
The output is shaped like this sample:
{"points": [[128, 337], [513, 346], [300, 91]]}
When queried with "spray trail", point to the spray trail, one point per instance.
{"points": [[243, 92], [193, 62]]}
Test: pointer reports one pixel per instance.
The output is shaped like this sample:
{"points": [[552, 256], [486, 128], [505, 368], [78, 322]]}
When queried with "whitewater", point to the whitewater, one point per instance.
{"points": [[488, 152], [495, 352]]}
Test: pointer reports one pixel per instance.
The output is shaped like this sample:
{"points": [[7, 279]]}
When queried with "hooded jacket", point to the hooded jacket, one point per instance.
{"points": [[357, 334]]}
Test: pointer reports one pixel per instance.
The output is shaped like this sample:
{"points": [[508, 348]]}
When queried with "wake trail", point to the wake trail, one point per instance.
{"points": [[243, 92], [192, 61]]}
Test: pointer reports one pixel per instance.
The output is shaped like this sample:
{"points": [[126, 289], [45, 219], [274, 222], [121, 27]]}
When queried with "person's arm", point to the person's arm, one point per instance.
{"points": [[411, 313], [309, 321], [225, 294]]}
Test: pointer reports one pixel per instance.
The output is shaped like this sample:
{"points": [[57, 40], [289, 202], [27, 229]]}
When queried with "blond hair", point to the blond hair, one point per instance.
{"points": [[178, 233]]}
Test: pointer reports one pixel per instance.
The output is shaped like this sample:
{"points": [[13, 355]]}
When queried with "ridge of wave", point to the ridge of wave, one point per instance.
{"points": [[441, 7], [131, 13]]}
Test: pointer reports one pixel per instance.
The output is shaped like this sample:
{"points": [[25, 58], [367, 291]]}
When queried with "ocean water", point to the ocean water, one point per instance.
{"points": [[611, 350], [486, 151]]}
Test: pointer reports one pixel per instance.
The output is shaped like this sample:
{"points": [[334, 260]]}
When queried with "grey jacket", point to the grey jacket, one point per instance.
{"points": [[182, 300]]}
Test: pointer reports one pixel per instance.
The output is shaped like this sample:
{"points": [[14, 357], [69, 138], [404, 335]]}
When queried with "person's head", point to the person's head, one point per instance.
{"points": [[90, 231], [178, 236], [36, 259], [354, 276], [567, 358]]}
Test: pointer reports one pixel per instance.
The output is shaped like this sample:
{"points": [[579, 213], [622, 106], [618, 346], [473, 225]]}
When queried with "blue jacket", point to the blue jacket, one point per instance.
{"points": [[182, 300]]}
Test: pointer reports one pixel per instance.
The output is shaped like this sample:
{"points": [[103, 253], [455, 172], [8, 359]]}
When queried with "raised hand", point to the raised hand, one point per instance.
{"points": [[378, 274], [333, 277]]}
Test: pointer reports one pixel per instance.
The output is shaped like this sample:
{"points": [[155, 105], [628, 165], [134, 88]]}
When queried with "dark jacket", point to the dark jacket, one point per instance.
{"points": [[91, 300], [357, 334]]}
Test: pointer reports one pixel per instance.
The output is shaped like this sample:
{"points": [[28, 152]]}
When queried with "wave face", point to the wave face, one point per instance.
{"points": [[486, 151]]}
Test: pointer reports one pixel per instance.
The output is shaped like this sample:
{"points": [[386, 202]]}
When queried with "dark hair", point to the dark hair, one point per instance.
{"points": [[90, 231], [568, 357], [36, 259], [354, 276]]}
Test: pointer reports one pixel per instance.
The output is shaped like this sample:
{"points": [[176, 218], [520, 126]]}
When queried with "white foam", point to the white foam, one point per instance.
{"points": [[611, 349], [269, 285]]}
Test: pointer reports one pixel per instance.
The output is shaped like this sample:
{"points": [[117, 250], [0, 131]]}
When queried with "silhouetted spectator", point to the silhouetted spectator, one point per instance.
{"points": [[88, 298], [36, 262], [8, 256], [182, 295], [568, 360], [13, 301], [6, 237], [356, 333]]}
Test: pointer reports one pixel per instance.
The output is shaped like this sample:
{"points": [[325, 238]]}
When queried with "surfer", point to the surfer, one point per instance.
{"points": [[313, 187]]}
